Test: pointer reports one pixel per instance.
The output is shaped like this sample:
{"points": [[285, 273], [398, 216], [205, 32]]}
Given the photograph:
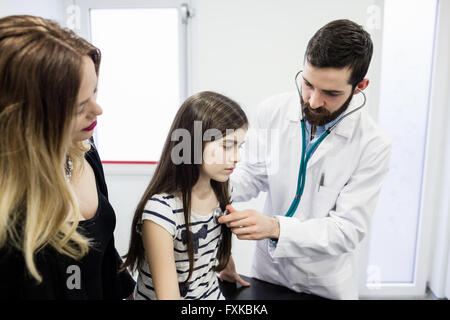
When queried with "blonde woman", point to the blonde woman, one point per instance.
{"points": [[56, 224]]}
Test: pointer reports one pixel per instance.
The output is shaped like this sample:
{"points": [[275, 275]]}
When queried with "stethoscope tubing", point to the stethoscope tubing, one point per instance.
{"points": [[307, 155]]}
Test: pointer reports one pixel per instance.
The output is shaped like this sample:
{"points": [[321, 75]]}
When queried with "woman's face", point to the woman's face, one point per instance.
{"points": [[220, 156], [87, 108]]}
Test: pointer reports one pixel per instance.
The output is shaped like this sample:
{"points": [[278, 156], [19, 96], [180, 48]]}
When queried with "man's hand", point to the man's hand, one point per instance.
{"points": [[229, 274], [251, 224]]}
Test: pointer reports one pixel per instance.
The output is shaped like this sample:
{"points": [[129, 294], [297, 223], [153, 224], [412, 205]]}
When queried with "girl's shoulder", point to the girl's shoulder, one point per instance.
{"points": [[167, 199], [164, 203], [163, 209]]}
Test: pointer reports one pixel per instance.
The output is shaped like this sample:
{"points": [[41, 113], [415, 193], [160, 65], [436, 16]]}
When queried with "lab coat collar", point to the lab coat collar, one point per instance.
{"points": [[345, 128]]}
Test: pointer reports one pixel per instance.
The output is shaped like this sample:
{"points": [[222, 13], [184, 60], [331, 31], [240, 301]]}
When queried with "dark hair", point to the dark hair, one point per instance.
{"points": [[340, 44], [215, 111]]}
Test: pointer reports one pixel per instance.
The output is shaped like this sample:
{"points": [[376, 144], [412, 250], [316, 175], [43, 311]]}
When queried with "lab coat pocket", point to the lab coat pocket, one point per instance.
{"points": [[331, 279], [325, 201]]}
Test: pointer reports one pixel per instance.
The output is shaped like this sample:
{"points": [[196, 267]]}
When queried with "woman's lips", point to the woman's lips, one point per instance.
{"points": [[91, 127]]}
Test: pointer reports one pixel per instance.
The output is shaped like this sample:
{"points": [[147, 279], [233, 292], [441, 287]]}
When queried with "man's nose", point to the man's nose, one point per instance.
{"points": [[316, 100]]}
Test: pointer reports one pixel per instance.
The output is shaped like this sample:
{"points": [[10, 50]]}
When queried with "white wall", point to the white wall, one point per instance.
{"points": [[252, 49], [50, 9]]}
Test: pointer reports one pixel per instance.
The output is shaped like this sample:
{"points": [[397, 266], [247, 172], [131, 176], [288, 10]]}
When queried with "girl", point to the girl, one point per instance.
{"points": [[56, 224], [176, 243]]}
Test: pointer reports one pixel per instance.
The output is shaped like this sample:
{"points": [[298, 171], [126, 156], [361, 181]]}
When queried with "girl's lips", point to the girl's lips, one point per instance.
{"points": [[91, 127]]}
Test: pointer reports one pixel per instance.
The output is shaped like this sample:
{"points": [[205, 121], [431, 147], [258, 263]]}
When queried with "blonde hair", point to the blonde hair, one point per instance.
{"points": [[40, 76]]}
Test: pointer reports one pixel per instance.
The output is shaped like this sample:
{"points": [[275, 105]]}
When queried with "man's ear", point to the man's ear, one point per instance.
{"points": [[362, 85]]}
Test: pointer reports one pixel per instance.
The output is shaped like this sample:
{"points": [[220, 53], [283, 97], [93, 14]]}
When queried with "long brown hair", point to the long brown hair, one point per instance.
{"points": [[215, 111], [40, 76]]}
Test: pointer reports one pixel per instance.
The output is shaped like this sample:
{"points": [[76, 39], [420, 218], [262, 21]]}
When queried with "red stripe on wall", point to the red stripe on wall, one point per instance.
{"points": [[131, 162]]}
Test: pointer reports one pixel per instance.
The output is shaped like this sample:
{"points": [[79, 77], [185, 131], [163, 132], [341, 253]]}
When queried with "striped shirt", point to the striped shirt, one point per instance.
{"points": [[167, 211]]}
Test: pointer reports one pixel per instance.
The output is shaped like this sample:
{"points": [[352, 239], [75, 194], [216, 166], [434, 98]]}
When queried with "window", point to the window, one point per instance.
{"points": [[142, 77], [407, 61]]}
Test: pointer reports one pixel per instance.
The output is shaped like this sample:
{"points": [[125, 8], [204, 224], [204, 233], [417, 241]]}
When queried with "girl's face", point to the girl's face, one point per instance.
{"points": [[87, 108], [220, 156]]}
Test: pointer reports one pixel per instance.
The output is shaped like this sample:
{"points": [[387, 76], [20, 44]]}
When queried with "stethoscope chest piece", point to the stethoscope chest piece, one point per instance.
{"points": [[218, 212]]}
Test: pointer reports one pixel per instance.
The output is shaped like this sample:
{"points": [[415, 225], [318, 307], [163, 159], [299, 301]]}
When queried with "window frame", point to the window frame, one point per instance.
{"points": [[428, 200], [84, 31]]}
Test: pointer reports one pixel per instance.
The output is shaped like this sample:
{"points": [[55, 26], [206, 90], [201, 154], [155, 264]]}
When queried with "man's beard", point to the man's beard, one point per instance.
{"points": [[323, 116]]}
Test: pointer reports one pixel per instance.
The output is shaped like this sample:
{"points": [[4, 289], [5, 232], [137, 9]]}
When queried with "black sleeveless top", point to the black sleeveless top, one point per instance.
{"points": [[95, 276]]}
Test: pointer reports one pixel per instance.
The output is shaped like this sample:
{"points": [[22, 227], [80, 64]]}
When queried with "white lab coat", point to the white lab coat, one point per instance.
{"points": [[316, 250]]}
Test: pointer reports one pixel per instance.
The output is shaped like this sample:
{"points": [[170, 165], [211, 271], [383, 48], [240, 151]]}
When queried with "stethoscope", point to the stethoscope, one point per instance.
{"points": [[218, 212], [307, 155]]}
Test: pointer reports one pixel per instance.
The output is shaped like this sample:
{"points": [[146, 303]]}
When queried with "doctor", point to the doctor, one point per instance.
{"points": [[318, 209]]}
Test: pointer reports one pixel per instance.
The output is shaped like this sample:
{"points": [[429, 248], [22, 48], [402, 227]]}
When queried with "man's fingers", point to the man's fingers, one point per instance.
{"points": [[233, 216], [243, 231], [239, 223], [248, 237], [230, 208]]}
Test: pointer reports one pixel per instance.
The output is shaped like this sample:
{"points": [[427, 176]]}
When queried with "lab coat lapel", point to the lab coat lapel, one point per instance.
{"points": [[322, 150], [344, 129]]}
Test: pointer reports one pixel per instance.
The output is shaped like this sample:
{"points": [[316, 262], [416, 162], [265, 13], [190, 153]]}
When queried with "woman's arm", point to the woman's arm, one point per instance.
{"points": [[158, 244]]}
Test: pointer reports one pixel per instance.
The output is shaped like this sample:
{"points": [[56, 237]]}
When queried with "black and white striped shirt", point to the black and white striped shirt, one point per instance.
{"points": [[167, 211]]}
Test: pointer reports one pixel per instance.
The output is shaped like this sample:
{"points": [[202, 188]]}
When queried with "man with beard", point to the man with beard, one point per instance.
{"points": [[322, 174]]}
